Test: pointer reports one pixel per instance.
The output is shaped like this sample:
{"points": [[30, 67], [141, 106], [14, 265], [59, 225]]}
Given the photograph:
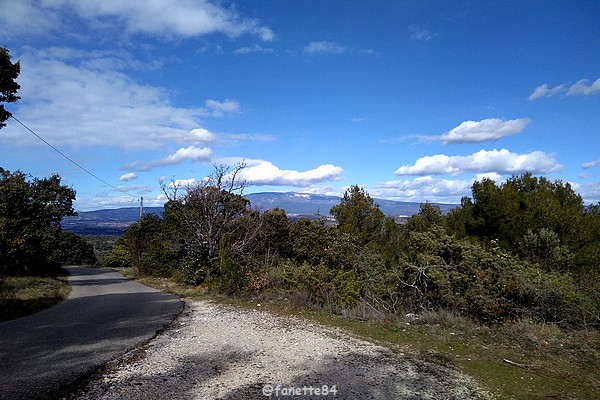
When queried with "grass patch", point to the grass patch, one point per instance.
{"points": [[21, 296], [520, 360], [166, 285]]}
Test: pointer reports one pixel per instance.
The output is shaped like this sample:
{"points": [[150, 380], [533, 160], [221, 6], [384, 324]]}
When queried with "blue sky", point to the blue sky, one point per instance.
{"points": [[413, 100]]}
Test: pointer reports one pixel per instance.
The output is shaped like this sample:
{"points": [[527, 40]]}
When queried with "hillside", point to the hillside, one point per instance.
{"points": [[296, 205], [105, 222], [314, 204]]}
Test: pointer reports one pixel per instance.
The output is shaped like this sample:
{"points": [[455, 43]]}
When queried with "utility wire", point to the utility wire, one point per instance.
{"points": [[71, 160]]}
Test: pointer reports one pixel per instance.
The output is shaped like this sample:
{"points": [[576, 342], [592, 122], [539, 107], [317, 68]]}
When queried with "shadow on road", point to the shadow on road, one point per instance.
{"points": [[105, 316]]}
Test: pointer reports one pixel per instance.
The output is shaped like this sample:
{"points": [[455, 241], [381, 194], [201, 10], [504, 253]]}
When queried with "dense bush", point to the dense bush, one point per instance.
{"points": [[67, 248], [502, 256], [31, 239], [119, 257]]}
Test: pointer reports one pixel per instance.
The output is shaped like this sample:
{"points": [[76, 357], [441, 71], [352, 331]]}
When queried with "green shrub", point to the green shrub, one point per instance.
{"points": [[310, 240], [554, 297], [119, 257], [345, 290], [192, 270]]}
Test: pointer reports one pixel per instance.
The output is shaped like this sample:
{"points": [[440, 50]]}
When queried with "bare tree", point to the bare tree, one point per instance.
{"points": [[214, 215]]}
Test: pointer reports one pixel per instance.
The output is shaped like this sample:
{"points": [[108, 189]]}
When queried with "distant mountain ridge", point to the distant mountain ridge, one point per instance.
{"points": [[105, 222], [316, 204], [115, 221]]}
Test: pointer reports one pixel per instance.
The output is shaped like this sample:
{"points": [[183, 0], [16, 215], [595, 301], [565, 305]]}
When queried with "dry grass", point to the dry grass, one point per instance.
{"points": [[25, 295]]}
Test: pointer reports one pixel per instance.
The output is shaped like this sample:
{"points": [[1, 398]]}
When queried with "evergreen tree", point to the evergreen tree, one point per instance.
{"points": [[9, 72], [30, 216], [358, 215]]}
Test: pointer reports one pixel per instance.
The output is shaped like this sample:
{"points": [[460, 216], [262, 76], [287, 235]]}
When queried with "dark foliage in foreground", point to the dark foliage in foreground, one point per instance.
{"points": [[31, 239]]}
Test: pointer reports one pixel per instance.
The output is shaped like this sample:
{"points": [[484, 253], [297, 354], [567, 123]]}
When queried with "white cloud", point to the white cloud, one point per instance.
{"points": [[255, 48], [140, 189], [265, 173], [93, 106], [92, 103], [162, 18], [195, 136], [498, 161], [18, 17], [590, 164], [424, 188], [319, 48], [192, 153], [589, 191], [544, 91], [181, 183], [128, 177], [485, 130], [219, 109], [582, 88], [420, 34], [236, 137], [489, 175]]}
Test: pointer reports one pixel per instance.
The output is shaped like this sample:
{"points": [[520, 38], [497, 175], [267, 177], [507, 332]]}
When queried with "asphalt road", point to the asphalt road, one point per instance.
{"points": [[104, 316]]}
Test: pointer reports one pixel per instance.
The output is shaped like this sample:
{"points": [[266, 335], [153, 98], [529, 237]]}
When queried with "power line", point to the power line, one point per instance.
{"points": [[71, 160]]}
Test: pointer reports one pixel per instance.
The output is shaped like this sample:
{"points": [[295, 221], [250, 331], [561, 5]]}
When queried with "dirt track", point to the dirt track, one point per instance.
{"points": [[218, 352]]}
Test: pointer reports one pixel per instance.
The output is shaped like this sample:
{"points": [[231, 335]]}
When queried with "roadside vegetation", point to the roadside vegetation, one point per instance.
{"points": [[32, 242], [25, 295], [505, 287], [526, 249], [33, 247]]}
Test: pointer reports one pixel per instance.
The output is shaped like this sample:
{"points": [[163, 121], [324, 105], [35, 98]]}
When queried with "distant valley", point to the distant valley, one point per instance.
{"points": [[296, 205]]}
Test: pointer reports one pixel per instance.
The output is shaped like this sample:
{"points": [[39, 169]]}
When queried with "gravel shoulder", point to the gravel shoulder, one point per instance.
{"points": [[218, 352]]}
